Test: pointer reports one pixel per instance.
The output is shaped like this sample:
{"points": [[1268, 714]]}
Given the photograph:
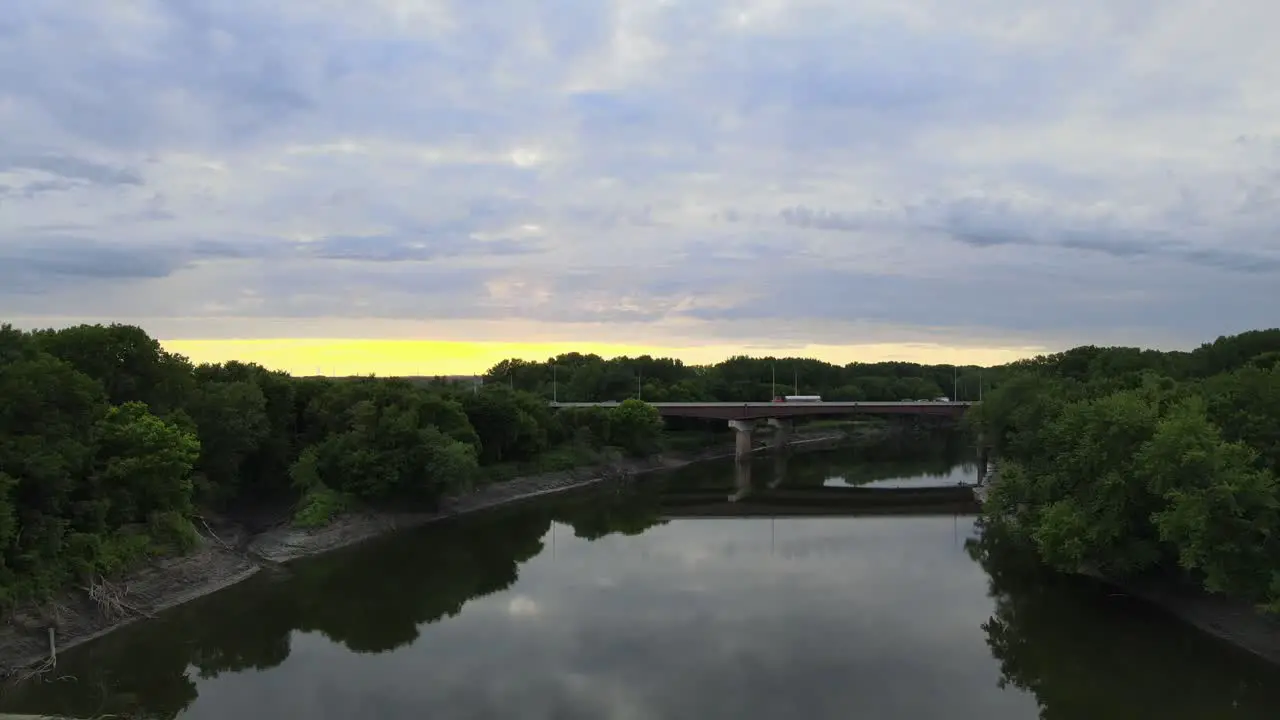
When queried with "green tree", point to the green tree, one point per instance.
{"points": [[233, 424], [143, 464], [1222, 513], [635, 426], [506, 428]]}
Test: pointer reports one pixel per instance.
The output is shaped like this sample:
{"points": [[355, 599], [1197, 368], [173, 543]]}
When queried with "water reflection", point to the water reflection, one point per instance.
{"points": [[610, 605], [1089, 652]]}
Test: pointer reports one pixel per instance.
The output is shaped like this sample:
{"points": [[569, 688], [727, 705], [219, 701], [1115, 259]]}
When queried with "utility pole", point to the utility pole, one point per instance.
{"points": [[639, 387], [795, 381], [979, 384], [554, 393], [955, 382], [773, 371]]}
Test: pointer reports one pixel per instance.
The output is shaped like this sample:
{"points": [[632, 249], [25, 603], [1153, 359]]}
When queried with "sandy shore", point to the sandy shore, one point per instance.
{"points": [[234, 555]]}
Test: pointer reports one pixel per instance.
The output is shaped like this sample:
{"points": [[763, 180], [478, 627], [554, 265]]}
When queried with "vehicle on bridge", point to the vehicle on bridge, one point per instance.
{"points": [[798, 398]]}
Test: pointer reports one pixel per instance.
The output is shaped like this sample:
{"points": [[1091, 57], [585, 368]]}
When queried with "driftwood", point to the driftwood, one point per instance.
{"points": [[49, 665], [110, 599], [214, 535]]}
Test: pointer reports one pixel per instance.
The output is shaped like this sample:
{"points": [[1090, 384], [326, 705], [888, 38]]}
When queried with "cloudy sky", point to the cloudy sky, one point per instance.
{"points": [[976, 175]]}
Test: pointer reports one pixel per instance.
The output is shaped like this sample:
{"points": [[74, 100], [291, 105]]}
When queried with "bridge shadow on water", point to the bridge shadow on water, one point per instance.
{"points": [[918, 476], [753, 493]]}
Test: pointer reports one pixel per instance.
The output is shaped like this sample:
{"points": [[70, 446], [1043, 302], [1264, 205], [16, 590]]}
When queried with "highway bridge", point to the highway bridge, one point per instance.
{"points": [[743, 416], [776, 410]]}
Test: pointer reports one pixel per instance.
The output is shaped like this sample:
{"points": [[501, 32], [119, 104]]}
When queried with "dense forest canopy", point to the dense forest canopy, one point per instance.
{"points": [[1124, 462], [573, 377], [110, 446]]}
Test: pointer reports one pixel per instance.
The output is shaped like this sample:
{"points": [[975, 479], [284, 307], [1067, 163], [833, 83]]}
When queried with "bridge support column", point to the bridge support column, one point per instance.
{"points": [[779, 469], [744, 429], [781, 432], [741, 479]]}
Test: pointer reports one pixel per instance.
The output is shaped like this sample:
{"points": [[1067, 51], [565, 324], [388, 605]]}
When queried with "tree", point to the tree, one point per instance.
{"points": [[143, 464], [1221, 512], [507, 431], [233, 424], [635, 426]]}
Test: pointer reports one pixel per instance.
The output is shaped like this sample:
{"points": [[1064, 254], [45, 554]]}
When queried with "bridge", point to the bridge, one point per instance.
{"points": [[772, 410], [743, 416]]}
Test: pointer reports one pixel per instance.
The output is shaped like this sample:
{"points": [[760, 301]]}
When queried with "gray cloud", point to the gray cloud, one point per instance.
{"points": [[653, 167], [384, 248], [59, 261], [985, 224]]}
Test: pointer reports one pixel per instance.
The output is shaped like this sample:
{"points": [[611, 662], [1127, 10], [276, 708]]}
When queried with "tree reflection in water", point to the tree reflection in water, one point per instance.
{"points": [[1088, 652], [1084, 652], [371, 599]]}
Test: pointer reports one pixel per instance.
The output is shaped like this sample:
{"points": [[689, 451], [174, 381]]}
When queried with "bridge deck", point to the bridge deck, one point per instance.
{"points": [[833, 403], [761, 410]]}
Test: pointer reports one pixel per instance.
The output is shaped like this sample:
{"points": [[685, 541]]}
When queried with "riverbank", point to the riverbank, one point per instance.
{"points": [[229, 554], [1236, 622]]}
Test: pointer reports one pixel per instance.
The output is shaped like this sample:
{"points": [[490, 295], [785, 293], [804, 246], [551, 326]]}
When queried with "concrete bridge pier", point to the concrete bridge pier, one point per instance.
{"points": [[779, 469], [741, 479], [781, 431], [744, 429]]}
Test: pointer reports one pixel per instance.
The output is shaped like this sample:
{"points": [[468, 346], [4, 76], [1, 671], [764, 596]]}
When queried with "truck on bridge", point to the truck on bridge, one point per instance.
{"points": [[797, 398]]}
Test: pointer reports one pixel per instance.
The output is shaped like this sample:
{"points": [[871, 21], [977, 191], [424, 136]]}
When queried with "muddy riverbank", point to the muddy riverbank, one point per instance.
{"points": [[229, 554]]}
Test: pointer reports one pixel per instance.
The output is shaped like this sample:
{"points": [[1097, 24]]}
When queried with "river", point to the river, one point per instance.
{"points": [[804, 597]]}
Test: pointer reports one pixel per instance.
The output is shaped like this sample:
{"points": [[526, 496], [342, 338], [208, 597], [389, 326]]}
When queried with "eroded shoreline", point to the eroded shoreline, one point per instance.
{"points": [[234, 555]]}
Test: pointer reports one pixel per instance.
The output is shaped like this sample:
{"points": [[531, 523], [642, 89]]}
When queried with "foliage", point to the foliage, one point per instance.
{"points": [[109, 444], [1122, 462], [319, 507], [575, 377], [635, 426]]}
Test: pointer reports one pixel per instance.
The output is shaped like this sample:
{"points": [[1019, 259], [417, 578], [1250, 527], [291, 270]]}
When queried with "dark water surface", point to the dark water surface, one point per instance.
{"points": [[652, 601]]}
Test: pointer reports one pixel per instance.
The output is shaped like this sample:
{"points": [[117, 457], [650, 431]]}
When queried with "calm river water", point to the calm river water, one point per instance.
{"points": [[664, 600]]}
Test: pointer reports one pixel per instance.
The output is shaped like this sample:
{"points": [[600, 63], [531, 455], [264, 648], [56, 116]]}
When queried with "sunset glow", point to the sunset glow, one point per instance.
{"points": [[424, 357]]}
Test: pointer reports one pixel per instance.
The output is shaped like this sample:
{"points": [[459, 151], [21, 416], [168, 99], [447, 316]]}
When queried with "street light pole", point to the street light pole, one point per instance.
{"points": [[773, 371], [554, 393]]}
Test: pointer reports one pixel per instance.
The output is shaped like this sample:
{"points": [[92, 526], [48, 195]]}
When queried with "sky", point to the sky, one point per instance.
{"points": [[400, 186]]}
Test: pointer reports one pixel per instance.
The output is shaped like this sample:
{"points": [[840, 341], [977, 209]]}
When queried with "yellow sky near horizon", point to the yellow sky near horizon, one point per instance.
{"points": [[342, 357]]}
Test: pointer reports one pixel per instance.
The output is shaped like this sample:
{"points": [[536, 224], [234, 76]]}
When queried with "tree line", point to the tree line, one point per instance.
{"points": [[574, 377], [110, 446], [1125, 462]]}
